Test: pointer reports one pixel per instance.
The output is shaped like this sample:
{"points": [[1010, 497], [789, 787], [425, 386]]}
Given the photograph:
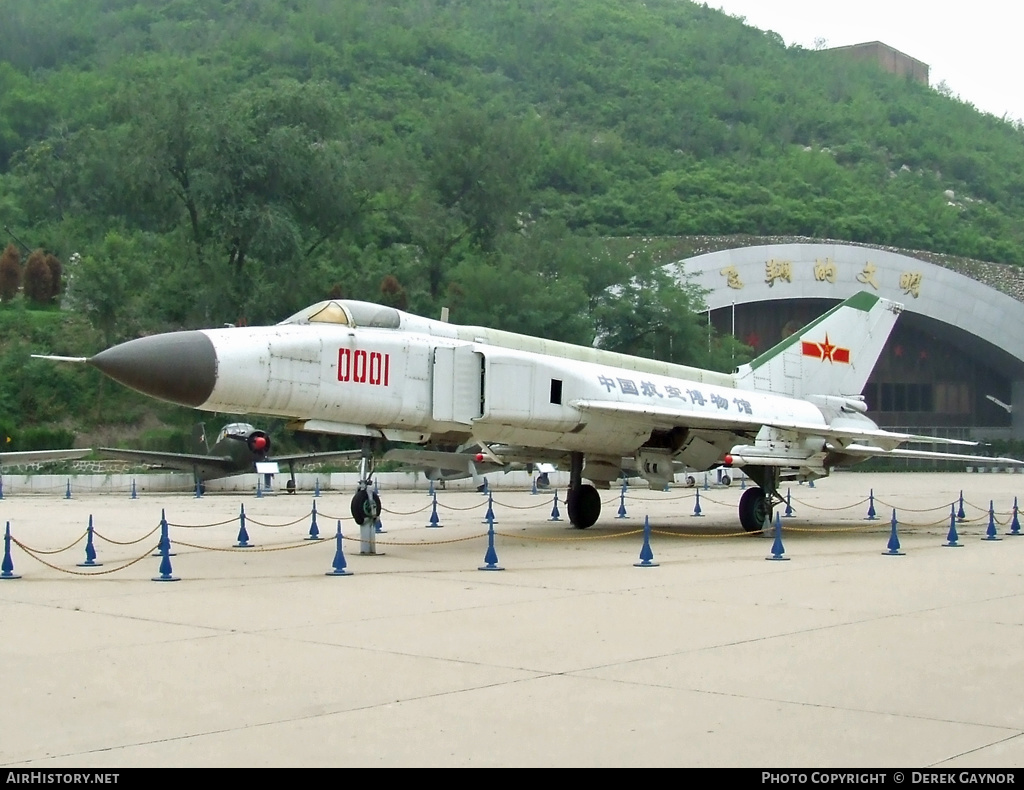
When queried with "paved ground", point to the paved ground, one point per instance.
{"points": [[570, 656]]}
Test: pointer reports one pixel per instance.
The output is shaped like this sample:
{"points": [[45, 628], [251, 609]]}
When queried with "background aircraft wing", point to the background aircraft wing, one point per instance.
{"points": [[184, 461], [41, 456], [309, 458]]}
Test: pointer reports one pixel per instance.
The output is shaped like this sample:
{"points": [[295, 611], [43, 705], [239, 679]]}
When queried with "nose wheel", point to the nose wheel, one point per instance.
{"points": [[365, 506], [365, 502]]}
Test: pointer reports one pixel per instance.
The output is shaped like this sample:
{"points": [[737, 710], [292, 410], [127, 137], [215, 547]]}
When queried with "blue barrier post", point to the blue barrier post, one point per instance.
{"points": [[314, 530], [165, 555], [554, 509], [894, 541], [90, 550], [777, 550], [489, 515], [243, 535], [339, 564], [990, 533], [871, 507], [622, 501], [7, 566], [960, 515], [434, 520], [646, 555], [1015, 524], [951, 536], [160, 548], [696, 504], [789, 507], [490, 556]]}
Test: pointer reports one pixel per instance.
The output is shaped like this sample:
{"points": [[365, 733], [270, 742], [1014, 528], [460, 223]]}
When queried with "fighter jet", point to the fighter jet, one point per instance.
{"points": [[237, 450], [361, 369]]}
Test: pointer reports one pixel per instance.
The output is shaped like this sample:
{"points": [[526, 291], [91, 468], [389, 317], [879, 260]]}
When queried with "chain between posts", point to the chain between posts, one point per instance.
{"points": [[32, 554]]}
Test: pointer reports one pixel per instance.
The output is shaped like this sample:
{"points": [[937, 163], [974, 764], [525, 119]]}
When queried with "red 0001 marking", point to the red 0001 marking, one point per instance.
{"points": [[364, 367]]}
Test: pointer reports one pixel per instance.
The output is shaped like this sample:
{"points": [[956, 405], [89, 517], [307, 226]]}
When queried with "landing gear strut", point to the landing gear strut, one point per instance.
{"points": [[582, 501], [365, 502]]}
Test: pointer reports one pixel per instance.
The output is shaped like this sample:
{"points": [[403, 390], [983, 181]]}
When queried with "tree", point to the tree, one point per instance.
{"points": [[10, 273], [392, 293], [38, 280], [478, 181], [56, 275], [105, 286], [653, 314]]}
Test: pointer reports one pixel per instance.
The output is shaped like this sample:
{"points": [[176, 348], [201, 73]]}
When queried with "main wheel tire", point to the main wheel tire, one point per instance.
{"points": [[290, 486], [755, 510], [691, 481], [365, 507], [584, 506], [726, 480]]}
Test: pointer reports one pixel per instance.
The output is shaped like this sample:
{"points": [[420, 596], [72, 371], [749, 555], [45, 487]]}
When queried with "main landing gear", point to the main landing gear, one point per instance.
{"points": [[365, 502], [757, 503], [582, 501]]}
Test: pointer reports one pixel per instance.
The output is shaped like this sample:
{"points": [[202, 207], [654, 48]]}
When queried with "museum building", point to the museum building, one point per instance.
{"points": [[954, 363]]}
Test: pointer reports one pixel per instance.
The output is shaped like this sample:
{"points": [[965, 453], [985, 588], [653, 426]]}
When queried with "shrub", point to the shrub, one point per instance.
{"points": [[38, 280], [10, 273]]}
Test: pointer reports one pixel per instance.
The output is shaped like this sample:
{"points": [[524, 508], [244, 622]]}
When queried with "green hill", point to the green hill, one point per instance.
{"points": [[218, 162]]}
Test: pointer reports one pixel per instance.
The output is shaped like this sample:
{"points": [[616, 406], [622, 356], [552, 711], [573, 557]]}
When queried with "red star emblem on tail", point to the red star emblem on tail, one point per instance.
{"points": [[826, 351]]}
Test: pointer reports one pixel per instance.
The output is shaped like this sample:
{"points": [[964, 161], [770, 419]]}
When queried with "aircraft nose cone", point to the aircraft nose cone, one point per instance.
{"points": [[180, 367]]}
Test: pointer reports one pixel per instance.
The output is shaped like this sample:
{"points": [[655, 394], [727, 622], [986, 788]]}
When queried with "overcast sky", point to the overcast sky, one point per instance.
{"points": [[972, 46]]}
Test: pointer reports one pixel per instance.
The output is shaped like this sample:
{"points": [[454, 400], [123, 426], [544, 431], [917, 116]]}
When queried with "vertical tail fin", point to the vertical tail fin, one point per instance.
{"points": [[832, 355]]}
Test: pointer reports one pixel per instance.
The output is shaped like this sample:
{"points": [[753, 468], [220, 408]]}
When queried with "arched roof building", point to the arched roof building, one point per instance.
{"points": [[954, 363]]}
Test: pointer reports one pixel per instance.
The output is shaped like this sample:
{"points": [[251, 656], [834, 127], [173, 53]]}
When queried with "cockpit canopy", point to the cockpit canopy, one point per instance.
{"points": [[242, 429], [347, 312]]}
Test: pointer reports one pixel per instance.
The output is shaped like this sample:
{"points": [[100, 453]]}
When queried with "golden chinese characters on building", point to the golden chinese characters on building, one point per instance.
{"points": [[910, 283], [867, 275], [825, 270], [778, 270], [732, 277]]}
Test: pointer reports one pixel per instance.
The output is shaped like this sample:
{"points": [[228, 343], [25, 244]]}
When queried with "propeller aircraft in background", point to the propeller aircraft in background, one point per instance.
{"points": [[239, 447]]}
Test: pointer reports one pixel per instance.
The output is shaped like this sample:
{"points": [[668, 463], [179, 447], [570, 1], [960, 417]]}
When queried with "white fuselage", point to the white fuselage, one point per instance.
{"points": [[412, 385]]}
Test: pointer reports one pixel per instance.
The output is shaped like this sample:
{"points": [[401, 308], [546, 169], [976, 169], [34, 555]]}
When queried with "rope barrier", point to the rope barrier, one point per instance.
{"points": [[979, 518], [104, 572]]}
